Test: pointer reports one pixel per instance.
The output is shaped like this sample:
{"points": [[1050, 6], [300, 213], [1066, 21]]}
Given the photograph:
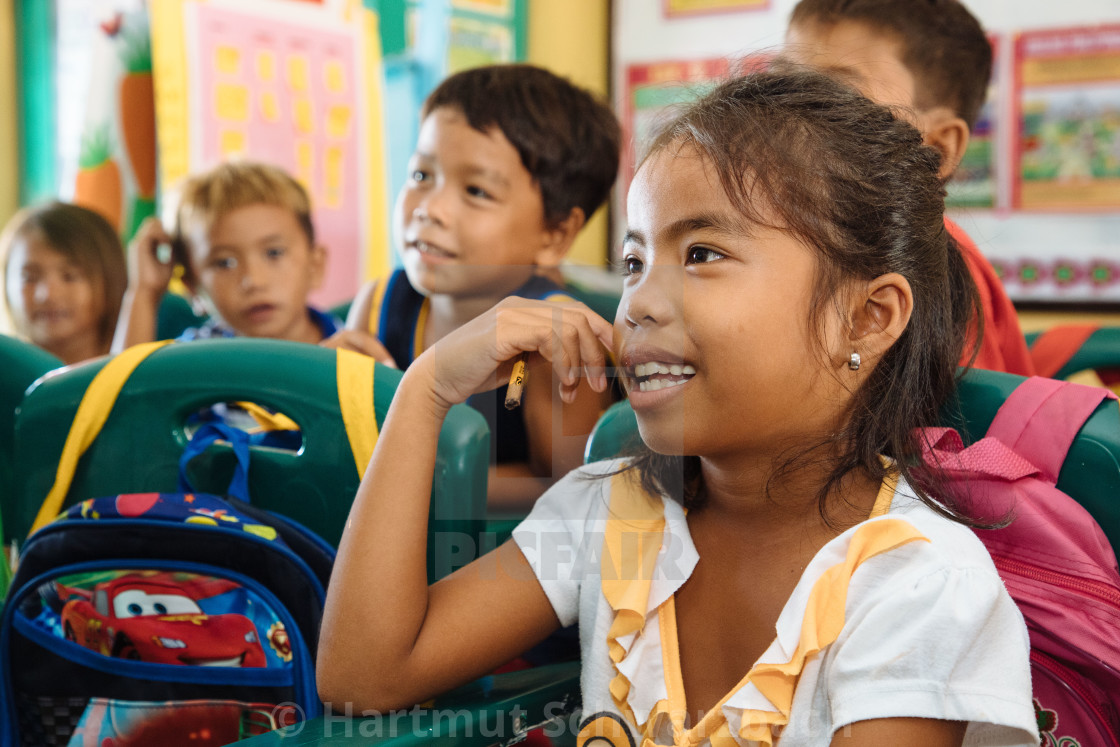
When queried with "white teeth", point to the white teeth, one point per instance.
{"points": [[653, 367], [654, 384]]}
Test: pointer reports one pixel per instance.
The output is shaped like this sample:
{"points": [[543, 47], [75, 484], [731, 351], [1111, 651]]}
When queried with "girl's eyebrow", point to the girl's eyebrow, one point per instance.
{"points": [[715, 222]]}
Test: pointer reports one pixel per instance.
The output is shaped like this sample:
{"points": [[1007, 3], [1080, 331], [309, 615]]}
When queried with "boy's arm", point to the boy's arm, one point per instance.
{"points": [[388, 640], [356, 335], [148, 279]]}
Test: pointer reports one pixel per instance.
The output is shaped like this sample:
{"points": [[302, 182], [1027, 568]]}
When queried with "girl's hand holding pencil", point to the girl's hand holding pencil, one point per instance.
{"points": [[482, 354]]}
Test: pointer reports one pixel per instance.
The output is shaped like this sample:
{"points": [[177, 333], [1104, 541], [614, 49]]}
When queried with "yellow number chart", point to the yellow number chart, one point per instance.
{"points": [[290, 84]]}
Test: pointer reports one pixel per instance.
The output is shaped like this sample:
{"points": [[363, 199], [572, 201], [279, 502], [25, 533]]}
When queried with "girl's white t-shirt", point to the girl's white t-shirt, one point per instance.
{"points": [[903, 615]]}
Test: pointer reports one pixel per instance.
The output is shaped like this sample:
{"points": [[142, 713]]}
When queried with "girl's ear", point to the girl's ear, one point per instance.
{"points": [[881, 316], [558, 239]]}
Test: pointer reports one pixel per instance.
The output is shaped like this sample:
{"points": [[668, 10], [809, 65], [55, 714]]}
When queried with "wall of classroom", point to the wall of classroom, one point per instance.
{"points": [[570, 37]]}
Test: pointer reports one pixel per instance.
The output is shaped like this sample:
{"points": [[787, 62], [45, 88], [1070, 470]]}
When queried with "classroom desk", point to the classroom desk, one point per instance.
{"points": [[497, 709]]}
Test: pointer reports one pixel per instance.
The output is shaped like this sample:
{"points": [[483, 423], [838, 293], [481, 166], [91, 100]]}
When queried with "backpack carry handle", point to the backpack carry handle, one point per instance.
{"points": [[203, 439], [1061, 405]]}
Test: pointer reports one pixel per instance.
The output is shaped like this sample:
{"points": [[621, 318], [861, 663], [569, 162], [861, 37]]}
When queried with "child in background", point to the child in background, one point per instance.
{"points": [[932, 61], [244, 238], [64, 278], [510, 163], [778, 526]]}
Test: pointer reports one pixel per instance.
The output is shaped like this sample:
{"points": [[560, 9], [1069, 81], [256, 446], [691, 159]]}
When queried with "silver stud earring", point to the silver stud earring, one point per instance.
{"points": [[854, 361]]}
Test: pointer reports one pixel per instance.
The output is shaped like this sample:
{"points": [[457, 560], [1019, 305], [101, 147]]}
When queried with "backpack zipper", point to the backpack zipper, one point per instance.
{"points": [[1096, 589], [1069, 679]]}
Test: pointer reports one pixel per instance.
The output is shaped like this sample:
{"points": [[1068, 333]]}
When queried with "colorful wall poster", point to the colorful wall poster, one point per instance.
{"points": [[292, 84], [1067, 144], [485, 32], [975, 183], [697, 7], [108, 151]]}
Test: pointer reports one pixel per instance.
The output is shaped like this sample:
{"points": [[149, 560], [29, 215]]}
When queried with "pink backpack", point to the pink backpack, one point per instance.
{"points": [[1053, 558]]}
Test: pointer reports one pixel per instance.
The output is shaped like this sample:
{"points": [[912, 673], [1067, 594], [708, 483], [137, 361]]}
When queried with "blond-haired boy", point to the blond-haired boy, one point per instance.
{"points": [[244, 237]]}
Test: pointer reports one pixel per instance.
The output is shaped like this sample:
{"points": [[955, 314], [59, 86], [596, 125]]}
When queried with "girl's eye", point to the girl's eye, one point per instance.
{"points": [[698, 255], [418, 175], [274, 252], [631, 265], [478, 192], [224, 263]]}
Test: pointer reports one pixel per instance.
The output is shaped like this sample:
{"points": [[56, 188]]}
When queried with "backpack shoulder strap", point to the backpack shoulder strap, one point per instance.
{"points": [[355, 400], [1041, 418], [92, 413]]}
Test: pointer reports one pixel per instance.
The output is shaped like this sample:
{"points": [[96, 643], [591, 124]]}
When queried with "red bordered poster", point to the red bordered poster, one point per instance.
{"points": [[1067, 139]]}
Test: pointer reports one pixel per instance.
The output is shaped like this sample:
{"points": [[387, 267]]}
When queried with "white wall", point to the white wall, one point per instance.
{"points": [[642, 34]]}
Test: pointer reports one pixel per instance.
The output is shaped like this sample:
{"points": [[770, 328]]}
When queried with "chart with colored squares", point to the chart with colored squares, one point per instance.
{"points": [[293, 88]]}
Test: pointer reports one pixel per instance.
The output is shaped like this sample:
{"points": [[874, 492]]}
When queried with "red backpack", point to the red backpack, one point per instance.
{"points": [[1053, 557]]}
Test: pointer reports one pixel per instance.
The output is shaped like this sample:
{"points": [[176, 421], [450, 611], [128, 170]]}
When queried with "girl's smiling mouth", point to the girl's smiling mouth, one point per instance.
{"points": [[654, 375]]}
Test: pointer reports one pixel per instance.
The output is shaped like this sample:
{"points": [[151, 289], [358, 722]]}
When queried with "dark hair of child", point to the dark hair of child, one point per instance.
{"points": [[857, 185], [567, 140], [90, 242], [943, 45]]}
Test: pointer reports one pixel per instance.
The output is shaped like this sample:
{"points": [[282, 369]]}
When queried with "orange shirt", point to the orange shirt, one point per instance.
{"points": [[1002, 347]]}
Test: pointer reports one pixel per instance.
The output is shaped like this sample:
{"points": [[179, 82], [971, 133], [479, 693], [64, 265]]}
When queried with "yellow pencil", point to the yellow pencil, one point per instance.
{"points": [[517, 382]]}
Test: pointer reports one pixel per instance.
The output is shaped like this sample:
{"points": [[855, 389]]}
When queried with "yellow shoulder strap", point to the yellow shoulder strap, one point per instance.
{"points": [[92, 413], [373, 324], [355, 400]]}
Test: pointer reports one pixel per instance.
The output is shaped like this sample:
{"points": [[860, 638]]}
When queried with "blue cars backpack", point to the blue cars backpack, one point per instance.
{"points": [[133, 617]]}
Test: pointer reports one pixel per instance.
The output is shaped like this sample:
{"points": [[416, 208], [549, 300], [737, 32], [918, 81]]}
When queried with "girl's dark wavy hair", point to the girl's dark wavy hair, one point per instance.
{"points": [[855, 183]]}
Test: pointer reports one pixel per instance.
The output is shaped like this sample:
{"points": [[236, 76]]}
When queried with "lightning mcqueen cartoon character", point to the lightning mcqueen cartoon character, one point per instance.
{"points": [[154, 617]]}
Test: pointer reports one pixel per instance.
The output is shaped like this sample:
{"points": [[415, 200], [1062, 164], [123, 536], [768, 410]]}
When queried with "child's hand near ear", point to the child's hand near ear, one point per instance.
{"points": [[480, 355], [150, 260], [151, 265]]}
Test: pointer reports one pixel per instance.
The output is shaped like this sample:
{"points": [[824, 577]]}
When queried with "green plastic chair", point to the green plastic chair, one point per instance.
{"points": [[139, 446], [22, 363], [1100, 351], [489, 711], [1090, 474], [175, 316]]}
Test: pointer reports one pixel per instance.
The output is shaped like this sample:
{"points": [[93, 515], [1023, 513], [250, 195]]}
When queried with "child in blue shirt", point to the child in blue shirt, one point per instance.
{"points": [[510, 163]]}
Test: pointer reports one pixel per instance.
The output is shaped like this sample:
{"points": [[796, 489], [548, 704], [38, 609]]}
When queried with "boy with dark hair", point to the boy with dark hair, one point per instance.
{"points": [[931, 60], [510, 163]]}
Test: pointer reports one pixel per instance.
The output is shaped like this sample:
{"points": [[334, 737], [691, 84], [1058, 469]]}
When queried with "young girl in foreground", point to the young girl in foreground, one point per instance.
{"points": [[64, 279], [769, 572]]}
